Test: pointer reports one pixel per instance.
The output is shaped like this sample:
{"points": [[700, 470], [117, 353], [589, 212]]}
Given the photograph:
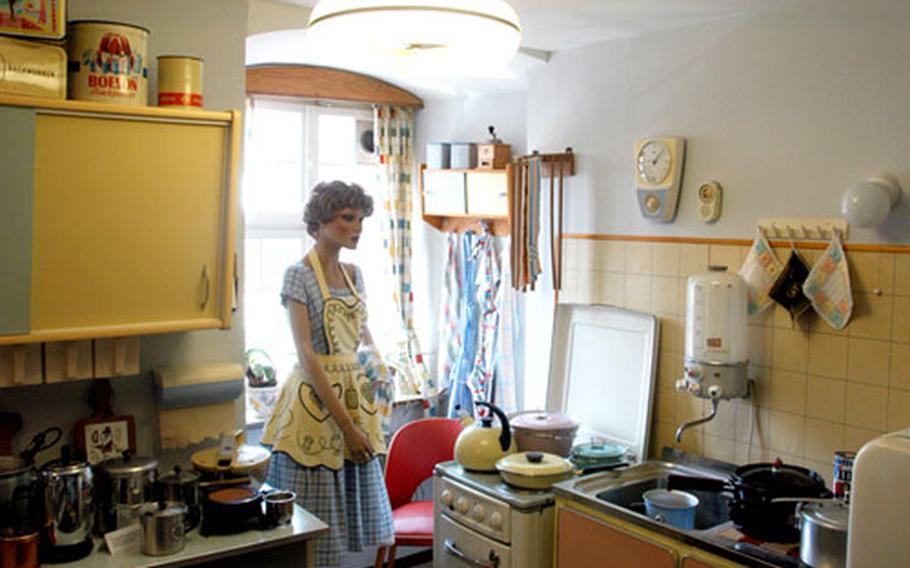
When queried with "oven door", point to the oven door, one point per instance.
{"points": [[456, 546]]}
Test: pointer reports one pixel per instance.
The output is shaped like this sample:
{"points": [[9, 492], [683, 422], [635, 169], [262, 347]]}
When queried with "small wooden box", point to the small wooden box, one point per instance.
{"points": [[492, 156]]}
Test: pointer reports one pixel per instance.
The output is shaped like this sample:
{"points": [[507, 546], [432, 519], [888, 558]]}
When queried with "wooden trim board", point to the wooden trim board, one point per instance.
{"points": [[818, 245]]}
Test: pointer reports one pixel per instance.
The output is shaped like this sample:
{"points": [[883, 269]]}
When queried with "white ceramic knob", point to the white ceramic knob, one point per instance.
{"points": [[446, 497], [461, 505], [496, 520]]}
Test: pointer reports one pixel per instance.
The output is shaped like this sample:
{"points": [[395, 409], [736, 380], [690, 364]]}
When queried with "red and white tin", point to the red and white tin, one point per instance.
{"points": [[108, 62], [179, 81]]}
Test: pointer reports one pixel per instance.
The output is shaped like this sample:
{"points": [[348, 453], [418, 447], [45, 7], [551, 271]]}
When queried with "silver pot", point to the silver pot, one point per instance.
{"points": [[823, 533], [162, 529], [17, 486], [122, 486], [68, 496]]}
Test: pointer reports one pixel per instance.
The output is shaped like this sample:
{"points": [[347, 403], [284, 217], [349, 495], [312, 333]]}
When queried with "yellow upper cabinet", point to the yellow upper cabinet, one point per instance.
{"points": [[133, 217]]}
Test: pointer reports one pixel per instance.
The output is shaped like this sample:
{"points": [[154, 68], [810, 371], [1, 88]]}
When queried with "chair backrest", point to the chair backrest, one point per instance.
{"points": [[415, 449]]}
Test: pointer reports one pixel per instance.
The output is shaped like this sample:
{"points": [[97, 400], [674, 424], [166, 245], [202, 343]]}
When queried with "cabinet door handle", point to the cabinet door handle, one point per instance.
{"points": [[450, 548], [206, 287], [236, 285]]}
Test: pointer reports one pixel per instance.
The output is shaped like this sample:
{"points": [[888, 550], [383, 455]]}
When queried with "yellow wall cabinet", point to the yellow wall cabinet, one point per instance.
{"points": [[118, 220], [590, 538]]}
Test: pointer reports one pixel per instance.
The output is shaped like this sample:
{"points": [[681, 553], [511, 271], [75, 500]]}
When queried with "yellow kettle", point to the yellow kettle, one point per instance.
{"points": [[480, 445]]}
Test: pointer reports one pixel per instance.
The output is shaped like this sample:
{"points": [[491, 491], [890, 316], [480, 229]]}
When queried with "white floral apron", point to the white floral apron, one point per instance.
{"points": [[301, 425]]}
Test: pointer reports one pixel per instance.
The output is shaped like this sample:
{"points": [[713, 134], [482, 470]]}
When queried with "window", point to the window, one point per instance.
{"points": [[291, 146]]}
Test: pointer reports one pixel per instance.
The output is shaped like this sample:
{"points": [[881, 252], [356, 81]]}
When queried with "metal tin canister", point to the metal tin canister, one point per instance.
{"points": [[179, 81], [843, 473], [107, 62], [32, 69]]}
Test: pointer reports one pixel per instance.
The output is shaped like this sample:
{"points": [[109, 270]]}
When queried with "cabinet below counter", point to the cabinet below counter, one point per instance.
{"points": [[259, 548]]}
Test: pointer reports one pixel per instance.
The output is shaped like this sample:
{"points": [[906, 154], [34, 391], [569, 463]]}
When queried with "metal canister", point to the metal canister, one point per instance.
{"points": [[162, 529], [182, 487], [843, 473], [179, 81], [68, 491], [107, 62], [32, 69], [123, 485]]}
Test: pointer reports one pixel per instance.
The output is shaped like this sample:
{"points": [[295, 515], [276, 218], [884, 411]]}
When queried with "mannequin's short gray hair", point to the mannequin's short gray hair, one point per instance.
{"points": [[330, 197]]}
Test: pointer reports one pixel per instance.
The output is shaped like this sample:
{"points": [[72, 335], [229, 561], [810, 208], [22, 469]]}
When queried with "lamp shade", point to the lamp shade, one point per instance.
{"points": [[867, 203], [415, 33]]}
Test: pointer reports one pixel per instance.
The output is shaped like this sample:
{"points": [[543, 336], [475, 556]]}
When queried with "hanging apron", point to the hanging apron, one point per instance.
{"points": [[301, 425]]}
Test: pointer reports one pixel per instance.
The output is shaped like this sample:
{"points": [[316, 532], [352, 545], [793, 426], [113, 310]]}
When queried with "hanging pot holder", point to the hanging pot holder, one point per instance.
{"points": [[760, 270], [788, 289], [828, 286]]}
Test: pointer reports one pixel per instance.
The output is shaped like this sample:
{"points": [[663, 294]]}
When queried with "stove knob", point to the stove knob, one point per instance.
{"points": [[496, 520], [478, 513], [461, 505], [446, 497]]}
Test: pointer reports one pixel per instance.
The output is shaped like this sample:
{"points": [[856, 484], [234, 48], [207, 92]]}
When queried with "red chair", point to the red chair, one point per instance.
{"points": [[415, 449]]}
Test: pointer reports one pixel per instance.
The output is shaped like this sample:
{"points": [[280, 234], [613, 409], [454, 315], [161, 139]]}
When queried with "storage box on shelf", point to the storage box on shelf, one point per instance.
{"points": [[458, 199], [61, 361], [115, 220]]}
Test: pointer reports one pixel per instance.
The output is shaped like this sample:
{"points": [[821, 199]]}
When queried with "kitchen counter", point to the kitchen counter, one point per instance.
{"points": [[262, 547]]}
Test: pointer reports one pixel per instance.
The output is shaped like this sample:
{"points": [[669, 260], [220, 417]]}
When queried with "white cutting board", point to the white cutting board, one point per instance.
{"points": [[603, 368]]}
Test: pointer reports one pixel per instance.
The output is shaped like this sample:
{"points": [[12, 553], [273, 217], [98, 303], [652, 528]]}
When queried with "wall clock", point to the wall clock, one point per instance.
{"points": [[658, 173]]}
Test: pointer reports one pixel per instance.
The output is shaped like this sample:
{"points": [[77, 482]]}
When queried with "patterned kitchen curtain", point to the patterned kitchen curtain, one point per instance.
{"points": [[393, 128]]}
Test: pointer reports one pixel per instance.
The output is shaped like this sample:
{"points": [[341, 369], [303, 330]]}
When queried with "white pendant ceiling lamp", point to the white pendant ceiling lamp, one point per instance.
{"points": [[415, 36]]}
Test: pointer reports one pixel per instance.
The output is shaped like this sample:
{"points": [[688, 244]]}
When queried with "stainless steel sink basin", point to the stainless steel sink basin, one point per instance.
{"points": [[624, 489]]}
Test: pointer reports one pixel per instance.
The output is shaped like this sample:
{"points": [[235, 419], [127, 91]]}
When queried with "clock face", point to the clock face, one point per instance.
{"points": [[654, 161]]}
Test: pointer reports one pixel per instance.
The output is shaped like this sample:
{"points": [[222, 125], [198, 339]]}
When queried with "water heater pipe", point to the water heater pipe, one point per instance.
{"points": [[696, 422]]}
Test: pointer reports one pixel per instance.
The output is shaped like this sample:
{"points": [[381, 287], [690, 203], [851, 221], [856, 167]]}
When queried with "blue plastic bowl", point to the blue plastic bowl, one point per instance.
{"points": [[676, 508]]}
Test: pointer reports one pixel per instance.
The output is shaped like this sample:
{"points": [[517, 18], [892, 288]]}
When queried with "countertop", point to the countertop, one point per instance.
{"points": [[200, 549]]}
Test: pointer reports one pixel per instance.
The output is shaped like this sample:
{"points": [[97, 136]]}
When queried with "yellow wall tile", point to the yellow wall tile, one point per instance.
{"points": [[790, 350], [584, 253], [898, 410], [827, 355], [665, 405], [665, 259], [609, 255], [723, 425], [570, 250], [867, 406], [826, 399], [869, 361], [718, 448], [610, 289], [902, 274], [638, 258], [787, 433], [901, 331], [673, 334], [637, 292], [788, 391], [669, 369], [855, 437], [693, 259], [760, 344], [900, 366], [823, 439], [871, 316], [871, 271], [726, 255], [665, 295]]}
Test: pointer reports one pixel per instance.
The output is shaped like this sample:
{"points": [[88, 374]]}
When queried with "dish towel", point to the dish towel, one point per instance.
{"points": [[760, 271], [828, 286]]}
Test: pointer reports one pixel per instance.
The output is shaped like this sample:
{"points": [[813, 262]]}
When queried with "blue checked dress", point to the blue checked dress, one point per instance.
{"points": [[350, 497]]}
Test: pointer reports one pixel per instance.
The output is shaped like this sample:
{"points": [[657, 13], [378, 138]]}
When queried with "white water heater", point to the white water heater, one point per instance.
{"points": [[716, 359]]}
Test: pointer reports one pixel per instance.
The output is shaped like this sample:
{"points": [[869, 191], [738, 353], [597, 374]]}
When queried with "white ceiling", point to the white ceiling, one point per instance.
{"points": [[549, 25]]}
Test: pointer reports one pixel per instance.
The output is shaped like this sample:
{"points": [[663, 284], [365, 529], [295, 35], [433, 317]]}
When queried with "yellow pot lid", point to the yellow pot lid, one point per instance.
{"points": [[534, 464]]}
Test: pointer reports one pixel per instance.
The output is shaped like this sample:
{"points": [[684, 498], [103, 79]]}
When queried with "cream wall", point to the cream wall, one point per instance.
{"points": [[817, 389], [784, 109]]}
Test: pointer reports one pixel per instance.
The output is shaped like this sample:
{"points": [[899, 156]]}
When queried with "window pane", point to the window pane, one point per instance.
{"points": [[274, 162], [336, 140]]}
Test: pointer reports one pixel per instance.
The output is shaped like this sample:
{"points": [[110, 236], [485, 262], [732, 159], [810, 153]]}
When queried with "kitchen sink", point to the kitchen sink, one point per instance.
{"points": [[624, 489]]}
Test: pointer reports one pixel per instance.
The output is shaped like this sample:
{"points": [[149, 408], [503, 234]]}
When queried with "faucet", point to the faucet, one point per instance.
{"points": [[696, 422]]}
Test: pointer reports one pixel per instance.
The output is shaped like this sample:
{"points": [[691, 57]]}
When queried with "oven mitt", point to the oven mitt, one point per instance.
{"points": [[788, 288], [760, 270], [828, 286]]}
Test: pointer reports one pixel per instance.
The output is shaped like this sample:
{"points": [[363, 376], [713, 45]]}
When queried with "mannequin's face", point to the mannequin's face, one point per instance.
{"points": [[343, 230]]}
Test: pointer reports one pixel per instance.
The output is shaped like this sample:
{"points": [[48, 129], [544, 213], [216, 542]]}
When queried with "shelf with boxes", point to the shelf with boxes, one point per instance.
{"points": [[464, 184], [59, 361]]}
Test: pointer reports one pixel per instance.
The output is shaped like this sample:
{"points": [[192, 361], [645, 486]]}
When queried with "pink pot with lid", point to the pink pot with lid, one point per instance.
{"points": [[551, 432]]}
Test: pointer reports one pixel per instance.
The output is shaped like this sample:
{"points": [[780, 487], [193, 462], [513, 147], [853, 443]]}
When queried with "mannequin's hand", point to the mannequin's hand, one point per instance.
{"points": [[358, 445]]}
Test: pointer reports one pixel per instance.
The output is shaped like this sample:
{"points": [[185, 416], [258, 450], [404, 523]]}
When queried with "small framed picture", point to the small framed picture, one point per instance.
{"points": [[108, 439]]}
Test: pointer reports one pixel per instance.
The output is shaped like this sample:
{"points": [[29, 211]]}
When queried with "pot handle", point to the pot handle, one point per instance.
{"points": [[697, 483], [505, 438]]}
